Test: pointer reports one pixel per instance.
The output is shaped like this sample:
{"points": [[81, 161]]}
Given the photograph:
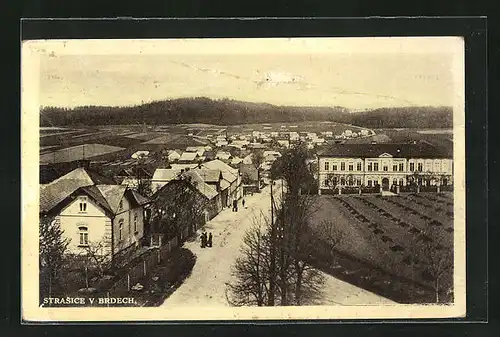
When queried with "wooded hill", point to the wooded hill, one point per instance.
{"points": [[230, 112]]}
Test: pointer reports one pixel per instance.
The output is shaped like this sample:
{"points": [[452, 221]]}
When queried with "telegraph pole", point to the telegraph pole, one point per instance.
{"points": [[282, 251], [272, 268]]}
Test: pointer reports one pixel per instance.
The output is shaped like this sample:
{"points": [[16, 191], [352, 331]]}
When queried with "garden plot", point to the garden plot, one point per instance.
{"points": [[417, 218], [437, 211], [364, 258], [379, 244], [384, 225], [390, 236]]}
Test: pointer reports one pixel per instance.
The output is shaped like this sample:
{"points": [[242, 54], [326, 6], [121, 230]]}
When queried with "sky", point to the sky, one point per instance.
{"points": [[353, 73]]}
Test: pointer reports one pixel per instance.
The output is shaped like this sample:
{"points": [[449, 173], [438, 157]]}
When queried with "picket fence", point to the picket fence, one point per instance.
{"points": [[144, 265]]}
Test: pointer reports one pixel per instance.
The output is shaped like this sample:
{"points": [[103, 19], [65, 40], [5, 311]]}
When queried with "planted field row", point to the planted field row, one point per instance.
{"points": [[424, 214], [437, 208], [406, 229], [371, 277], [389, 250], [410, 234], [441, 199], [399, 258], [401, 217]]}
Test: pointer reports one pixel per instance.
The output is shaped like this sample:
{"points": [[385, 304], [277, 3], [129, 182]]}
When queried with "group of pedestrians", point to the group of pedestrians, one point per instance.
{"points": [[235, 205], [206, 241]]}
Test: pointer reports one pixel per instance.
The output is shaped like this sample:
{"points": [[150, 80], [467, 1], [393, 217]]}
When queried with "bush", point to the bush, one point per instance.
{"points": [[350, 190], [373, 189], [408, 188], [428, 188], [447, 188], [329, 191]]}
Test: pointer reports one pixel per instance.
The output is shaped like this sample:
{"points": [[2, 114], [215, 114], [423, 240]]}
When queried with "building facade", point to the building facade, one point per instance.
{"points": [[90, 215], [383, 165]]}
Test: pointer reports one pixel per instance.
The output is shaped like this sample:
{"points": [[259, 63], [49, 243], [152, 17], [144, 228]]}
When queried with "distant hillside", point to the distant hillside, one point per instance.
{"points": [[230, 112], [404, 117]]}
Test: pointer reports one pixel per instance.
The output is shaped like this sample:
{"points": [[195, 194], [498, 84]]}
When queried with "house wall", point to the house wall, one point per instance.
{"points": [[436, 166], [94, 218], [129, 235]]}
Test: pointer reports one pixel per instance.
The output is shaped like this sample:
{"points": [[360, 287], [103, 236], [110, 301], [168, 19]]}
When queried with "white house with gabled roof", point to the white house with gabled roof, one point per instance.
{"points": [[91, 213]]}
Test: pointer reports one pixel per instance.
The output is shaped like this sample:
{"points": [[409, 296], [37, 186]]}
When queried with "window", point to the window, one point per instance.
{"points": [[351, 181], [386, 168], [412, 167], [358, 167], [335, 181], [394, 167], [375, 166], [327, 166], [369, 166], [334, 167], [437, 166], [83, 204], [342, 181], [419, 167], [395, 182], [135, 222], [351, 167], [326, 182], [369, 183], [84, 235], [342, 166], [358, 181], [120, 229], [401, 182], [401, 167]]}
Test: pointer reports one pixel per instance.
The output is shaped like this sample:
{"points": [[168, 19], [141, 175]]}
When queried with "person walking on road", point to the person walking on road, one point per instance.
{"points": [[235, 205], [203, 239], [209, 242], [243, 203]]}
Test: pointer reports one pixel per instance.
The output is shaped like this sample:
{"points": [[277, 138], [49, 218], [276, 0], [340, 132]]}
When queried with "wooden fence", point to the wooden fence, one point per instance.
{"points": [[143, 266]]}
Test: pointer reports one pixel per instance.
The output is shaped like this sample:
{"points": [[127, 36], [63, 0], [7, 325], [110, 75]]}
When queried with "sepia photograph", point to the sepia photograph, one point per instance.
{"points": [[243, 179]]}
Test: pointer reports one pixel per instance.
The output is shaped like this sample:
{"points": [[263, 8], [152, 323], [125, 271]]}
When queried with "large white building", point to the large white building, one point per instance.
{"points": [[383, 164]]}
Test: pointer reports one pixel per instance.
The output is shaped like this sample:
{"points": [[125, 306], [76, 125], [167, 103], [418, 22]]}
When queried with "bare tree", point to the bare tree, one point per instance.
{"points": [[177, 206], [329, 233], [161, 158], [333, 180], [432, 253], [271, 270], [143, 181], [96, 257], [296, 242], [246, 178], [300, 243], [251, 269], [53, 246]]}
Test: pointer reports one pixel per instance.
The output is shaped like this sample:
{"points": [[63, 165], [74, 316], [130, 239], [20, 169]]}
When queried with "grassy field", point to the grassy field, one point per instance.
{"points": [[79, 152], [383, 241]]}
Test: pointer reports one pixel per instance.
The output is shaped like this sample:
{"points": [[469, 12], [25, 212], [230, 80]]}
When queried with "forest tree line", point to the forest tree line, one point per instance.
{"points": [[231, 112]]}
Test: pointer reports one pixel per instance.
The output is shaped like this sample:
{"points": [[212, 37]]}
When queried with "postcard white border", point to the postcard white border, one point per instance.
{"points": [[30, 64]]}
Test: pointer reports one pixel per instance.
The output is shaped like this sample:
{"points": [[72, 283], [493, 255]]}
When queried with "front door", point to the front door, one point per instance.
{"points": [[385, 184]]}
